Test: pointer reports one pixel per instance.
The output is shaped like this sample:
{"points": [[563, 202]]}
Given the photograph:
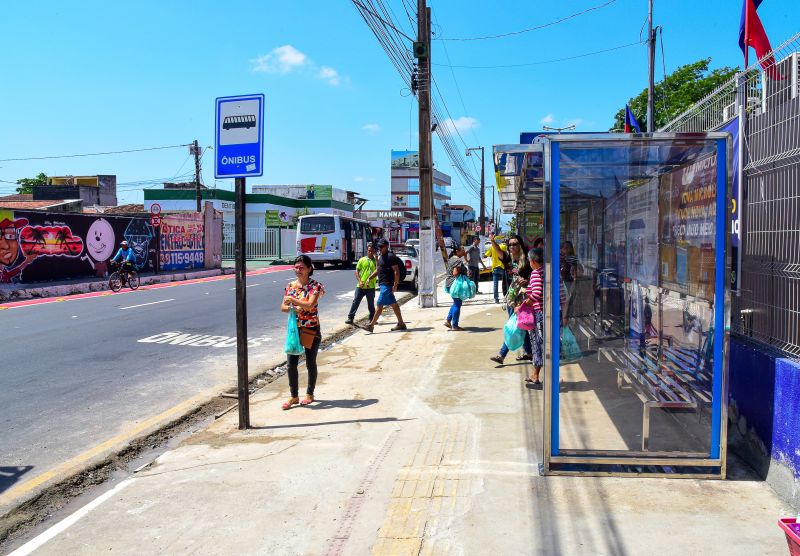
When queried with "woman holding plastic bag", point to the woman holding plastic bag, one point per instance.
{"points": [[520, 271], [301, 298], [458, 285]]}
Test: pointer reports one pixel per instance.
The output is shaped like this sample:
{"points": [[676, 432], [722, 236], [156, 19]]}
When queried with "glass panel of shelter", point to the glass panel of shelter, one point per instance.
{"points": [[635, 272]]}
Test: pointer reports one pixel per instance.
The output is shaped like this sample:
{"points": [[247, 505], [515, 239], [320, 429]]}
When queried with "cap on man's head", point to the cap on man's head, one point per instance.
{"points": [[125, 243], [383, 242]]}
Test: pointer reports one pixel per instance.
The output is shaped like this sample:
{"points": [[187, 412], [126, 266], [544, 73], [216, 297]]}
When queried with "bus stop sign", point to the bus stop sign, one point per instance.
{"points": [[239, 133]]}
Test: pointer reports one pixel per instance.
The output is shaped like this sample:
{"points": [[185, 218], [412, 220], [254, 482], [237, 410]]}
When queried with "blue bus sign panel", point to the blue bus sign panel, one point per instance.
{"points": [[239, 137]]}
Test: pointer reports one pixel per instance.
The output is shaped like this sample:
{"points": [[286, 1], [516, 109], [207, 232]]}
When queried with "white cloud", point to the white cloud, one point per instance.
{"points": [[281, 60], [363, 179], [372, 128], [549, 119], [330, 75], [464, 123]]}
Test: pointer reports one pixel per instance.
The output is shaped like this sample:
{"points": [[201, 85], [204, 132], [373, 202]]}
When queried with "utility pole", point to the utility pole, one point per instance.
{"points": [[243, 379], [482, 220], [422, 52], [651, 64], [196, 152]]}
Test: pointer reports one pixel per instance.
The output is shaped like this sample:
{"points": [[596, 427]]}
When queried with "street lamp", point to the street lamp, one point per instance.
{"points": [[468, 152], [570, 127]]}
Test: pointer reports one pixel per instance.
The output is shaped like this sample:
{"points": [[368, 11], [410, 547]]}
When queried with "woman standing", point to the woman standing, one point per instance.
{"points": [[455, 268], [520, 271], [303, 295]]}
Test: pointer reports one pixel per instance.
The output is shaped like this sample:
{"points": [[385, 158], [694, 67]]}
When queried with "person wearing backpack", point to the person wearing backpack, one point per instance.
{"points": [[389, 275]]}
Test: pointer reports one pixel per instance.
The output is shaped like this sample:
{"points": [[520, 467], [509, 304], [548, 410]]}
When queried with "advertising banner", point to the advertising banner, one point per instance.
{"points": [[272, 219], [405, 159], [182, 241], [319, 192], [42, 246], [642, 233]]}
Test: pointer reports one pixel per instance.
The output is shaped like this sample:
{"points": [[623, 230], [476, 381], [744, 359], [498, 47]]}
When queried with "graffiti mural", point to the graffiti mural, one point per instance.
{"points": [[40, 246]]}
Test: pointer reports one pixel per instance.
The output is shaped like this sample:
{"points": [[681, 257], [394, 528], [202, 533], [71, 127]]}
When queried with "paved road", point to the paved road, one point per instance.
{"points": [[81, 371]]}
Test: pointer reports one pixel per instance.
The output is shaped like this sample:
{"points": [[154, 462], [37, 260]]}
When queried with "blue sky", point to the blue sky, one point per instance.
{"points": [[105, 76]]}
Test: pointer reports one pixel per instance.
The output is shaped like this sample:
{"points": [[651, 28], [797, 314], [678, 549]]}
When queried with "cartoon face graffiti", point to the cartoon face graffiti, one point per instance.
{"points": [[139, 234], [9, 244], [100, 240]]}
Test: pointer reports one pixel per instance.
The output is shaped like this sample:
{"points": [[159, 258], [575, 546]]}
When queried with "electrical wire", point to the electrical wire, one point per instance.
{"points": [[543, 62], [529, 29], [374, 14], [93, 154]]}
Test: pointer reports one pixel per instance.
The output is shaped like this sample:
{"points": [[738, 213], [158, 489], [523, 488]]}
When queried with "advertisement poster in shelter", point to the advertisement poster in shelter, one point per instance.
{"points": [[182, 241], [687, 226], [534, 228], [642, 233], [44, 246]]}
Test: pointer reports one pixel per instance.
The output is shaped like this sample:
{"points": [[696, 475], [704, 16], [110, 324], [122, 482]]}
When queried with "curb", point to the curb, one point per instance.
{"points": [[62, 290]]}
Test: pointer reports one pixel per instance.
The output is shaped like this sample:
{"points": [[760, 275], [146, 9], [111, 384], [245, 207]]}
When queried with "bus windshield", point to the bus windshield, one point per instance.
{"points": [[317, 225]]}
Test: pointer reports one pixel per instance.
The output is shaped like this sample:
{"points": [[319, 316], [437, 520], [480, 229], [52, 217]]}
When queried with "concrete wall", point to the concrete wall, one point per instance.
{"points": [[765, 416]]}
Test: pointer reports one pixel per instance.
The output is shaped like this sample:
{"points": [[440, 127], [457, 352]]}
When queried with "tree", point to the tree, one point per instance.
{"points": [[675, 94], [26, 184], [512, 225]]}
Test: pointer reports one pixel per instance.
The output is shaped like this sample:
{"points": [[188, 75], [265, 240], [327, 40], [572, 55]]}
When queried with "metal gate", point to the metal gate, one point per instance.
{"points": [[260, 244]]}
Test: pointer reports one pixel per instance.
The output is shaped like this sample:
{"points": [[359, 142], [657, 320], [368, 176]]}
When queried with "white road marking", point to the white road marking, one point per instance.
{"points": [[247, 286], [74, 316], [348, 295], [143, 304], [37, 542]]}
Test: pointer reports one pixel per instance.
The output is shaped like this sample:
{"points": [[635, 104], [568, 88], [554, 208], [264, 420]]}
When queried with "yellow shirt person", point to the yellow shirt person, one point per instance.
{"points": [[497, 258]]}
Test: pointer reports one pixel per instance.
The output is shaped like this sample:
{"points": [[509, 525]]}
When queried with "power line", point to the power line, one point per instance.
{"points": [[375, 15], [529, 29], [93, 154], [555, 60]]}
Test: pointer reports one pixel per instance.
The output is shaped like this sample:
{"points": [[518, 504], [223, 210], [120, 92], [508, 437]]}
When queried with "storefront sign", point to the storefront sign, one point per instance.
{"points": [[182, 241]]}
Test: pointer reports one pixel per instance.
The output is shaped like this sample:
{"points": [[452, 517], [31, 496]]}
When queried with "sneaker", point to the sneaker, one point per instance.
{"points": [[400, 327], [349, 321], [497, 359]]}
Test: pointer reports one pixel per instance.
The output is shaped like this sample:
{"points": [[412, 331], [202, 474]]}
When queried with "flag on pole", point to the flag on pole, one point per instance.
{"points": [[751, 33], [630, 121]]}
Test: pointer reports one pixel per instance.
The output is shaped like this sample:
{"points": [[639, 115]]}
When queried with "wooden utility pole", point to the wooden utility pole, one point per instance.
{"points": [[422, 52], [198, 196], [651, 65], [243, 377]]}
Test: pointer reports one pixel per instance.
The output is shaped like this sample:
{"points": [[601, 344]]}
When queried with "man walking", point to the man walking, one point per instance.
{"points": [[388, 274], [474, 258], [366, 284], [498, 253]]}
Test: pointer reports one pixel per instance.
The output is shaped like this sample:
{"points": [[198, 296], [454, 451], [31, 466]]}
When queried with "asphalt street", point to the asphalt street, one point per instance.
{"points": [[81, 371]]}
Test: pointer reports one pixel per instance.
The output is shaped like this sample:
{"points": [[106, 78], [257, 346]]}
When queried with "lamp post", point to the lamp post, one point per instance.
{"points": [[468, 152]]}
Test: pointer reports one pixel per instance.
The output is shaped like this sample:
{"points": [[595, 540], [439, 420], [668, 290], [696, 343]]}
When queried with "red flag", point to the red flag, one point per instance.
{"points": [[755, 36]]}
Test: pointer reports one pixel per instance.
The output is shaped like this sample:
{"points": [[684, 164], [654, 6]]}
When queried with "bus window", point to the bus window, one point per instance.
{"points": [[317, 225]]}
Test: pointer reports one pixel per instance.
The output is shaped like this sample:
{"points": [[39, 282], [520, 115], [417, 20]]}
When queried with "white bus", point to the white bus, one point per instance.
{"points": [[330, 238]]}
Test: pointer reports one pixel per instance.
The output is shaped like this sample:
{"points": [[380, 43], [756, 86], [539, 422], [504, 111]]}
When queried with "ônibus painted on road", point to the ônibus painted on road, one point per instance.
{"points": [[331, 238]]}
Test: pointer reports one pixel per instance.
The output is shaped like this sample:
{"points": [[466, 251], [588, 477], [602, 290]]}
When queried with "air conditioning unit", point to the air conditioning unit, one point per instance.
{"points": [[729, 112]]}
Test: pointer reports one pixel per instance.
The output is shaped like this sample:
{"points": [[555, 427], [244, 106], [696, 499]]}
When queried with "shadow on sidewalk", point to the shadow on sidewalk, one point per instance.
{"points": [[344, 404], [344, 422]]}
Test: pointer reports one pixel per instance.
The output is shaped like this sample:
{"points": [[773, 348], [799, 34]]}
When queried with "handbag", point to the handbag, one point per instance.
{"points": [[292, 346], [526, 318], [307, 336], [513, 335], [570, 350]]}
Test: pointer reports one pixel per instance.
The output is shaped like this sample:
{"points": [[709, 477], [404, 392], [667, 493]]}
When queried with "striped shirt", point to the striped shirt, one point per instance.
{"points": [[535, 290]]}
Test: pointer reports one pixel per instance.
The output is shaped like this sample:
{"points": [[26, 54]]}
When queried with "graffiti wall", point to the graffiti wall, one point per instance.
{"points": [[182, 244], [41, 246]]}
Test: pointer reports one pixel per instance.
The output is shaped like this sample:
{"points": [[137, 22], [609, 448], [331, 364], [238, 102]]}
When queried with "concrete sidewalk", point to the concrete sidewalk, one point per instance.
{"points": [[416, 445]]}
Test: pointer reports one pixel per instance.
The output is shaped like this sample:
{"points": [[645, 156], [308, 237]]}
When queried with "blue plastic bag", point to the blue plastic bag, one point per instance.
{"points": [[514, 336], [570, 350], [462, 288], [293, 345]]}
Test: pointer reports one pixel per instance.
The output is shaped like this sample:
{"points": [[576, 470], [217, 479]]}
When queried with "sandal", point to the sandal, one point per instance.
{"points": [[308, 399], [534, 382], [525, 357], [447, 324], [497, 359], [290, 402]]}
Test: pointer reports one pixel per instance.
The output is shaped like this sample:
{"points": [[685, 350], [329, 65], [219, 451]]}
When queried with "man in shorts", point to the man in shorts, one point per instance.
{"points": [[388, 274]]}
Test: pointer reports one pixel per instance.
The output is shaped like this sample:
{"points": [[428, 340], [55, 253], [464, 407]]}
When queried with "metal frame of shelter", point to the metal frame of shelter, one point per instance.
{"points": [[531, 178]]}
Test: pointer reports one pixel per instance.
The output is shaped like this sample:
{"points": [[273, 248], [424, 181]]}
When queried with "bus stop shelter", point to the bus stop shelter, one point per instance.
{"points": [[636, 313]]}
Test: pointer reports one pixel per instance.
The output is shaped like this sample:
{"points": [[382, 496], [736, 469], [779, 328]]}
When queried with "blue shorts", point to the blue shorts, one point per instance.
{"points": [[386, 296]]}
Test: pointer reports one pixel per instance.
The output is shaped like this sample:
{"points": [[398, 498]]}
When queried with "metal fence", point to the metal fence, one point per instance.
{"points": [[260, 244], [766, 309]]}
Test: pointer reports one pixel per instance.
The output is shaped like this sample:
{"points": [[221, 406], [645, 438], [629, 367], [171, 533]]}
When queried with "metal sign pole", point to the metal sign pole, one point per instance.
{"points": [[241, 308]]}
